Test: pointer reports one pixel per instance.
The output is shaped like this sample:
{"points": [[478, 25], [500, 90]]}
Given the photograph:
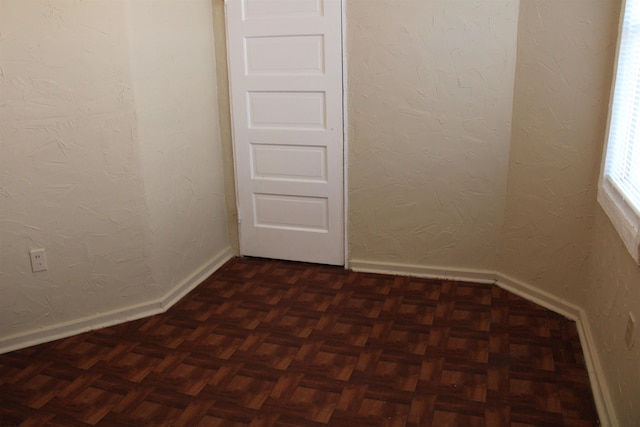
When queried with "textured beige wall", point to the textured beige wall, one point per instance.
{"points": [[613, 290], [224, 119], [109, 155], [563, 77], [430, 90], [556, 236], [172, 57], [415, 169], [70, 177]]}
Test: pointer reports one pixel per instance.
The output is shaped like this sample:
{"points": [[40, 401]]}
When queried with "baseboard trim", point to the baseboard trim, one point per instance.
{"points": [[103, 320], [426, 272], [197, 277], [599, 388], [601, 395], [538, 296]]}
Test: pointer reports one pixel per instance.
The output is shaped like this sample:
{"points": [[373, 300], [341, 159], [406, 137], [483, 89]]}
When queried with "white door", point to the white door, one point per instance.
{"points": [[285, 65]]}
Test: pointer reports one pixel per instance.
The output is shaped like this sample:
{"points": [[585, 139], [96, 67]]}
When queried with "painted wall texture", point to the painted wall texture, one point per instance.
{"points": [[430, 101], [224, 110], [109, 155], [556, 236], [427, 136], [173, 64], [613, 290], [563, 78]]}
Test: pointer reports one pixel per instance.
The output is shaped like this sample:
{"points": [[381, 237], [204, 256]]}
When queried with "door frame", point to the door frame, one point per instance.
{"points": [[345, 131], [345, 135]]}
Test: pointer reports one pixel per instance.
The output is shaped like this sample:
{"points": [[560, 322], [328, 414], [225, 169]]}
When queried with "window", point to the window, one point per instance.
{"points": [[619, 187]]}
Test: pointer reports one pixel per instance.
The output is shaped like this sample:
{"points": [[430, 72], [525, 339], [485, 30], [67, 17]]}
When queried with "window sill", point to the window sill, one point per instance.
{"points": [[625, 220]]}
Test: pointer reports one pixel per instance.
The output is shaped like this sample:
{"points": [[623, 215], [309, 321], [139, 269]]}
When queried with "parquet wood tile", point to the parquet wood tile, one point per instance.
{"points": [[268, 343]]}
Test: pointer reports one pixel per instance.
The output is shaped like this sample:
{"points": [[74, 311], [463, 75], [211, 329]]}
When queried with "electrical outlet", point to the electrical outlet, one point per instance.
{"points": [[629, 335], [38, 260]]}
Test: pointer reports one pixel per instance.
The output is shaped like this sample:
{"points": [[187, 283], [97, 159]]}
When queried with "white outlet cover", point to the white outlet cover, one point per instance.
{"points": [[38, 260]]}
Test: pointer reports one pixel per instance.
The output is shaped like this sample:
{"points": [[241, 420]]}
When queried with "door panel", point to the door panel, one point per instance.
{"points": [[277, 8], [293, 55], [287, 110], [289, 162]]}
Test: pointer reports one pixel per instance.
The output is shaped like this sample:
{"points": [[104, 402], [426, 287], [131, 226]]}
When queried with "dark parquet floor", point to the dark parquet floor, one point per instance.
{"points": [[273, 343]]}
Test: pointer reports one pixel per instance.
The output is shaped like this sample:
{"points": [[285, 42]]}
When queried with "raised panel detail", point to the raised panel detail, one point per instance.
{"points": [[281, 8], [287, 110], [291, 212], [297, 55], [299, 163]]}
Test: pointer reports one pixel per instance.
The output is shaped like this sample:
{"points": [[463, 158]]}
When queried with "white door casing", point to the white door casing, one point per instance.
{"points": [[285, 68]]}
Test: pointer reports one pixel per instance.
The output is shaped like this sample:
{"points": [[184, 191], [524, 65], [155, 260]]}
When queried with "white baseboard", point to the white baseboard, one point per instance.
{"points": [[133, 312], [426, 272], [197, 277], [538, 296], [601, 395]]}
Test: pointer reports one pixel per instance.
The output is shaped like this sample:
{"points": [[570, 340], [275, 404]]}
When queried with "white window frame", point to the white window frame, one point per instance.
{"points": [[624, 214]]}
